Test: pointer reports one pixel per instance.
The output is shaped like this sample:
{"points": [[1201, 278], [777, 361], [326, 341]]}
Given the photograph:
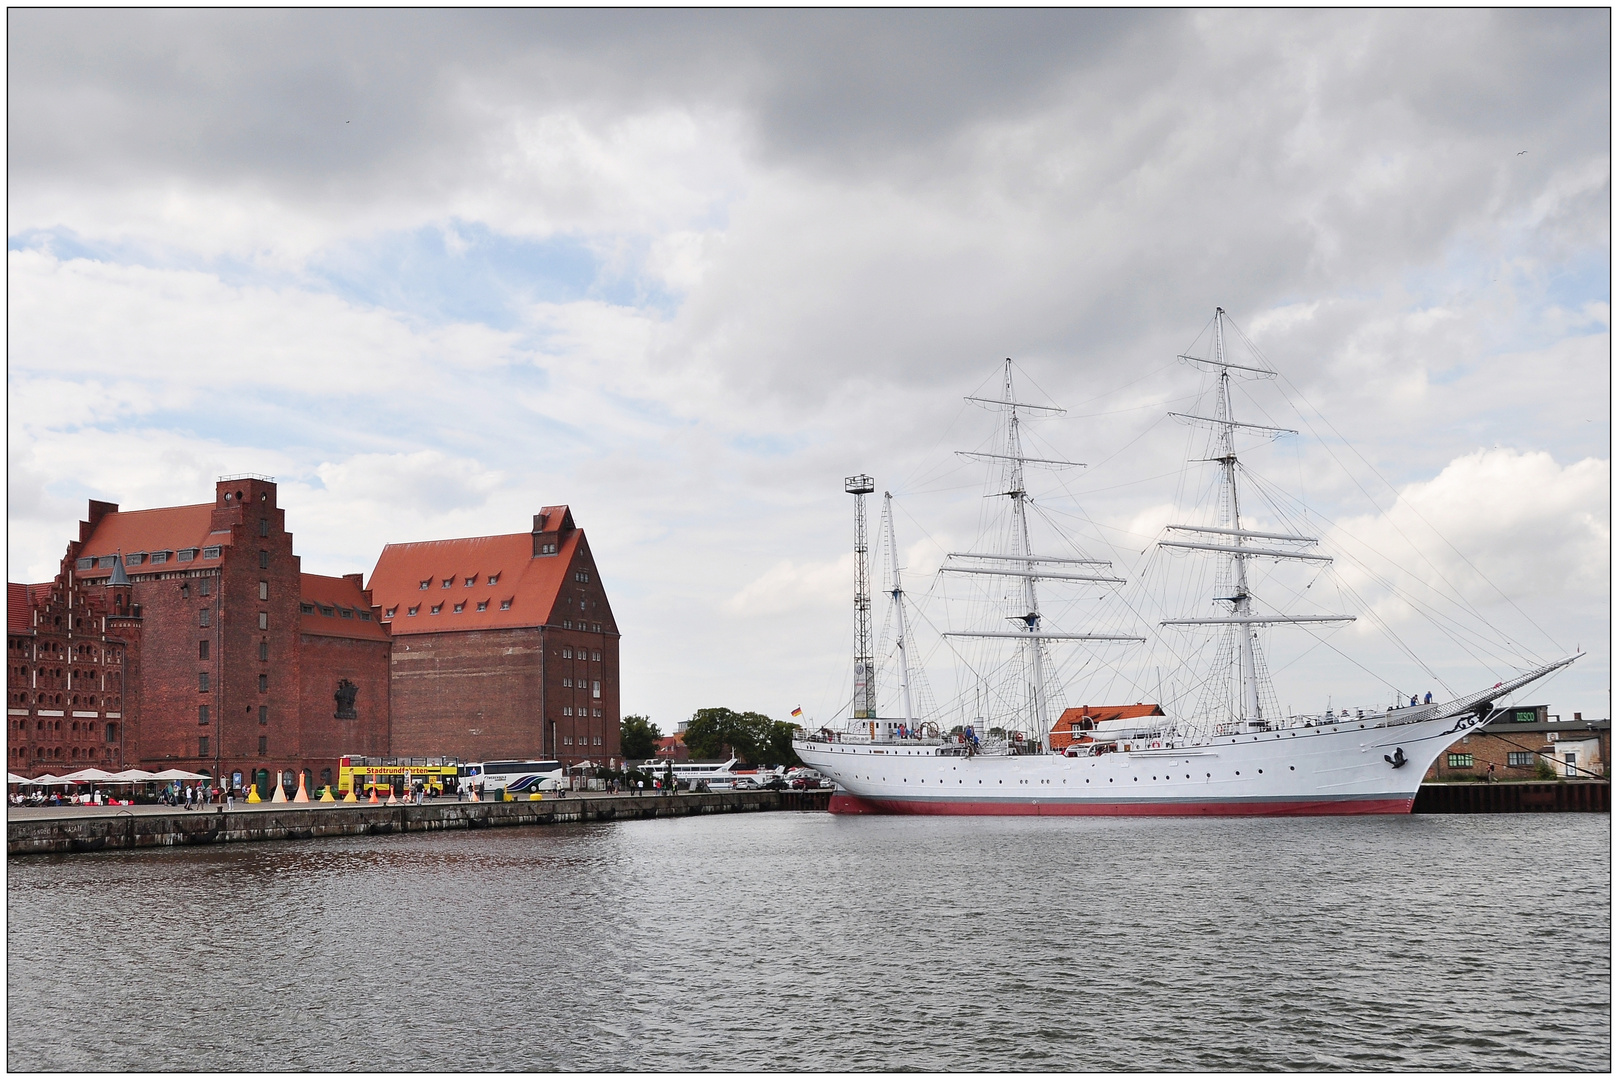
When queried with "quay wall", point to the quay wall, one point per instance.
{"points": [[1573, 796], [115, 831]]}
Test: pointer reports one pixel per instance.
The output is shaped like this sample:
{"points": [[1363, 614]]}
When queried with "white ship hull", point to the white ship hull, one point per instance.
{"points": [[1338, 768]]}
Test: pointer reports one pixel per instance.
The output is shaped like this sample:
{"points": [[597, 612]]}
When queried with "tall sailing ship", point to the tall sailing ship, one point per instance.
{"points": [[1233, 753]]}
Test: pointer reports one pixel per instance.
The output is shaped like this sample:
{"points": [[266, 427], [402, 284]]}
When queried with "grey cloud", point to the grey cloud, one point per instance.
{"points": [[268, 96]]}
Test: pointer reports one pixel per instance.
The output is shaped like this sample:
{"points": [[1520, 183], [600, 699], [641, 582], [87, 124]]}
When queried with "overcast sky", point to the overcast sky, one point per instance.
{"points": [[686, 271]]}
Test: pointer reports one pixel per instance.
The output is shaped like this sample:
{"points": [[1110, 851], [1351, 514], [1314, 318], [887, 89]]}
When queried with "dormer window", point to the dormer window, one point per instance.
{"points": [[471, 581], [186, 554], [86, 564], [346, 613], [307, 609], [483, 605], [413, 610], [210, 552], [460, 607], [326, 611], [365, 616], [427, 583], [505, 605], [391, 610], [135, 559], [448, 582], [107, 561], [436, 609], [494, 579], [160, 557]]}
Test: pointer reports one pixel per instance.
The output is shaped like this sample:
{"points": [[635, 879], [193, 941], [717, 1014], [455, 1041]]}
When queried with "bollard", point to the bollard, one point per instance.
{"points": [[374, 800], [252, 794], [280, 792], [327, 796], [351, 796], [393, 800], [303, 793]]}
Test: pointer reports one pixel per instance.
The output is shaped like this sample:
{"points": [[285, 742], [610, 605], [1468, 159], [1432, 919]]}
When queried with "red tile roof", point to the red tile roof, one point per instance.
{"points": [[168, 528], [20, 601], [1062, 732], [337, 595], [530, 584]]}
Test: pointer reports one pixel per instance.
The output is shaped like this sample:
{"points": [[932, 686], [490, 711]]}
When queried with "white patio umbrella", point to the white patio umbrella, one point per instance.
{"points": [[177, 774], [48, 780], [133, 776], [87, 776], [13, 778]]}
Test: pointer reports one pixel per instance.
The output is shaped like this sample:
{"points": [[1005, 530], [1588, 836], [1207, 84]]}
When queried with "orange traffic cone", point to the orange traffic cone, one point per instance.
{"points": [[303, 792]]}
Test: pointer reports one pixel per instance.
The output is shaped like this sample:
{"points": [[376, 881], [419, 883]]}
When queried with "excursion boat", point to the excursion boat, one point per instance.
{"points": [[718, 775], [1233, 752]]}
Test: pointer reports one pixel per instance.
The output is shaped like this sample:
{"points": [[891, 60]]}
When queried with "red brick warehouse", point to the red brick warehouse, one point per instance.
{"points": [[245, 664], [503, 646]]}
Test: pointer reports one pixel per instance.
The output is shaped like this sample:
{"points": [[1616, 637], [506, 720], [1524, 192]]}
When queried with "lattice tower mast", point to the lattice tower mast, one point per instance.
{"points": [[864, 666]]}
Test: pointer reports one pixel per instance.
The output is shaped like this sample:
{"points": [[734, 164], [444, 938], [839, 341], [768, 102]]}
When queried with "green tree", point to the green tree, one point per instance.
{"points": [[750, 736], [778, 750], [638, 737]]}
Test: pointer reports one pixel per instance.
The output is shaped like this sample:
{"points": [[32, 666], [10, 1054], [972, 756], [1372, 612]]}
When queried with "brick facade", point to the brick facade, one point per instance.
{"points": [[213, 597], [344, 703], [504, 646], [189, 637], [1516, 747], [67, 666]]}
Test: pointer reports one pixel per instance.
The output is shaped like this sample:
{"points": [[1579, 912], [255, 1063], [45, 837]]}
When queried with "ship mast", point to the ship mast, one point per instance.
{"points": [[1240, 598], [1034, 663], [898, 594], [1024, 564], [1232, 540]]}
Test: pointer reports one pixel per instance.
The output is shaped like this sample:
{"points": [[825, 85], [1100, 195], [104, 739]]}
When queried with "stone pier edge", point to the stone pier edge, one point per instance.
{"points": [[114, 832]]}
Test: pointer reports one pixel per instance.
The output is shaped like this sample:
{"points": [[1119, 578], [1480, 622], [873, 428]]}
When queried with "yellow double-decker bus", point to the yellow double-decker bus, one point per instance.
{"points": [[362, 775]]}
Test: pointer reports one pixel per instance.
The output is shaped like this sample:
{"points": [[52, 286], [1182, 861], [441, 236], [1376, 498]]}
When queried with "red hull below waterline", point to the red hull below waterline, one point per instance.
{"points": [[844, 803]]}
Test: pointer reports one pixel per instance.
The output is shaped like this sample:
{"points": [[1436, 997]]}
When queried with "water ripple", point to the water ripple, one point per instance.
{"points": [[812, 942]]}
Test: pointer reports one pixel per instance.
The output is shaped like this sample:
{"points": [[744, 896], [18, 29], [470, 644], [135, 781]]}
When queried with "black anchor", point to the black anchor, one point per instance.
{"points": [[1398, 760]]}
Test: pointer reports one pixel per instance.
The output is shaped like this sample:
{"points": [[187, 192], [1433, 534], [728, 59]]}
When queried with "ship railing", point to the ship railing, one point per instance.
{"points": [[864, 739]]}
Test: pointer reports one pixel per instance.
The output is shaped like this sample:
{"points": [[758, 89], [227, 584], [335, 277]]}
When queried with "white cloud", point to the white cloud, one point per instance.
{"points": [[1506, 522], [812, 254]]}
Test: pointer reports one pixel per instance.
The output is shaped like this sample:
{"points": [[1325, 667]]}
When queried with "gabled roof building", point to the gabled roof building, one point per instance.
{"points": [[504, 646], [240, 672]]}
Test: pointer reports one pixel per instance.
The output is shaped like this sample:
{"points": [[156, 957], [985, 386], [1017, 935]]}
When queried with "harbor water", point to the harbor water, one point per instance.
{"points": [[810, 941]]}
